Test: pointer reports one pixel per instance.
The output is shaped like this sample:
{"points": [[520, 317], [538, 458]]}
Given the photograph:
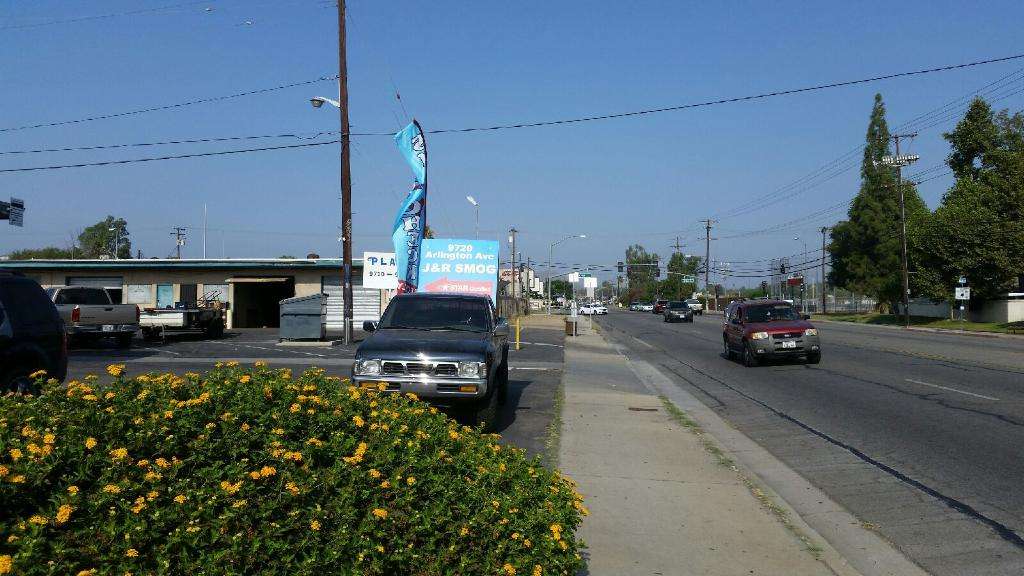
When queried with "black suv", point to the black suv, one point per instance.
{"points": [[31, 334]]}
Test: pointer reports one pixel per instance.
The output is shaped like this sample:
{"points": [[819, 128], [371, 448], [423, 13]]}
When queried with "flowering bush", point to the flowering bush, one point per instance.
{"points": [[244, 471]]}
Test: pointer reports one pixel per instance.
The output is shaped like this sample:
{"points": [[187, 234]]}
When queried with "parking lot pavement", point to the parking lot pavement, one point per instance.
{"points": [[534, 371]]}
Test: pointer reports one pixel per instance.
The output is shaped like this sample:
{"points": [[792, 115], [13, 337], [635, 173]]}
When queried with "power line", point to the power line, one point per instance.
{"points": [[309, 136], [105, 16], [168, 106], [731, 100], [175, 157]]}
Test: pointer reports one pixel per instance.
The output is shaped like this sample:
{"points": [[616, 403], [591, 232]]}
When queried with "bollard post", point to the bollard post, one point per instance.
{"points": [[517, 333]]}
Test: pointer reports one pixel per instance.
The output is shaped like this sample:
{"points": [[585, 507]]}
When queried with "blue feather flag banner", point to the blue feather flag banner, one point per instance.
{"points": [[407, 234]]}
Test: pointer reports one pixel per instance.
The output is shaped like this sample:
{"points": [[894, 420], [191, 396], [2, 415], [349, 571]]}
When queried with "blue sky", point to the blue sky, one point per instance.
{"points": [[459, 64]]}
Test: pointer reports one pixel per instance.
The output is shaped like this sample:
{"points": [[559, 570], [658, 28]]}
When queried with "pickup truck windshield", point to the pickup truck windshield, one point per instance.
{"points": [[677, 305], [771, 313], [437, 314], [81, 296]]}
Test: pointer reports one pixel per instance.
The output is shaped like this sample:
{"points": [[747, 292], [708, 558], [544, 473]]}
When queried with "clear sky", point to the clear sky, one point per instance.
{"points": [[458, 64]]}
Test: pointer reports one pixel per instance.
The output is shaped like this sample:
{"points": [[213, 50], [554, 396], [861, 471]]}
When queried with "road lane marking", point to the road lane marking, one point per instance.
{"points": [[158, 350], [641, 341], [951, 389]]}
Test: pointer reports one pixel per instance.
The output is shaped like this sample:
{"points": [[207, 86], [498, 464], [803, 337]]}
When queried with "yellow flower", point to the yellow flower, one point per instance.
{"points": [[73, 489], [119, 453], [374, 473], [89, 572], [6, 564], [37, 374], [267, 471], [537, 570], [180, 498], [132, 553], [115, 370], [358, 421], [162, 462], [380, 549], [453, 434], [19, 479], [153, 476], [112, 489], [38, 520], [385, 484], [380, 513], [229, 487], [293, 488], [278, 431], [244, 427], [4, 470], [90, 443], [142, 463], [556, 531], [260, 364], [63, 514], [509, 569], [152, 494], [15, 454], [463, 531], [109, 395], [294, 408], [245, 378], [315, 525], [231, 364], [49, 438], [410, 480]]}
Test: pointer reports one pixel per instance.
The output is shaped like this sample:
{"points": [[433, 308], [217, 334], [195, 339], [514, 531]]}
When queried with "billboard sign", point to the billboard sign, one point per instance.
{"points": [[459, 267], [380, 270]]}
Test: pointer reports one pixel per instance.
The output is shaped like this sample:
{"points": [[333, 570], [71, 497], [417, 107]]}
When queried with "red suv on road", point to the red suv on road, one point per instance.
{"points": [[758, 330], [659, 306]]}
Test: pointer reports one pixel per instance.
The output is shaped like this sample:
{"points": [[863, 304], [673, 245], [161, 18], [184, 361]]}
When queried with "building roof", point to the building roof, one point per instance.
{"points": [[173, 263]]}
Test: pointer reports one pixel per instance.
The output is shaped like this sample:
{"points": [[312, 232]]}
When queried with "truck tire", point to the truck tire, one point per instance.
{"points": [[17, 380], [502, 380]]}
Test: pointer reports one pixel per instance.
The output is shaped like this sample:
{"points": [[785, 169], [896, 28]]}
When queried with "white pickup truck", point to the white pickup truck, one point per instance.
{"points": [[88, 313]]}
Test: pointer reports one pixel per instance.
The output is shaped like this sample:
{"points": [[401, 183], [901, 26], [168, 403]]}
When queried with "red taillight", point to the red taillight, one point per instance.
{"points": [[76, 315]]}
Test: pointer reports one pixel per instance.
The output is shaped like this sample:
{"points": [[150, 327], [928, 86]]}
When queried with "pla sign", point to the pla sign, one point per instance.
{"points": [[459, 267], [380, 270]]}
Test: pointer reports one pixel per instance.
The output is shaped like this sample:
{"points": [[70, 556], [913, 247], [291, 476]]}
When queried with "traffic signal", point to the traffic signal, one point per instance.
{"points": [[657, 271], [619, 266], [782, 268]]}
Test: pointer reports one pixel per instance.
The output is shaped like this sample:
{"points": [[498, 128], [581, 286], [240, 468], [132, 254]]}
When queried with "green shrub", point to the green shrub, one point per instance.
{"points": [[249, 471]]}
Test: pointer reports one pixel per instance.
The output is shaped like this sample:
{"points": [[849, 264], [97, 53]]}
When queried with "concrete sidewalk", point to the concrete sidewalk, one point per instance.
{"points": [[659, 502]]}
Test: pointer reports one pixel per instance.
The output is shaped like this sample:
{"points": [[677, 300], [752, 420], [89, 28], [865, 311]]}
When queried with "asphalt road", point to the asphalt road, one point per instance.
{"points": [[535, 371], [919, 435]]}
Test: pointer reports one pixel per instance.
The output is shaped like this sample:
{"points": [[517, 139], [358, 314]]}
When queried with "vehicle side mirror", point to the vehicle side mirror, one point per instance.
{"points": [[369, 326]]}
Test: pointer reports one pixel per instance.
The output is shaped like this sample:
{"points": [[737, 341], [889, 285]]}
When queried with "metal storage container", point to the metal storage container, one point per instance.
{"points": [[303, 318]]}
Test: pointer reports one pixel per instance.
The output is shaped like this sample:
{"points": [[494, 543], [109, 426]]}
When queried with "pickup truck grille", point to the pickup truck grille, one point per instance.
{"points": [[397, 368]]}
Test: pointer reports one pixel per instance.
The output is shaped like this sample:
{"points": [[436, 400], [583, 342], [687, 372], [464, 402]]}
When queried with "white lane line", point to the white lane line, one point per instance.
{"points": [[951, 389], [540, 344], [158, 350], [642, 342], [239, 345]]}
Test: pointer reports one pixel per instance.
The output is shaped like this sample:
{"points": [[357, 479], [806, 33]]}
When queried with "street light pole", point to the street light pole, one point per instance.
{"points": [[476, 206], [899, 162], [551, 253]]}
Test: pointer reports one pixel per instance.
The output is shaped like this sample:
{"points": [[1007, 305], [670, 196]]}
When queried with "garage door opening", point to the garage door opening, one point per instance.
{"points": [[255, 301]]}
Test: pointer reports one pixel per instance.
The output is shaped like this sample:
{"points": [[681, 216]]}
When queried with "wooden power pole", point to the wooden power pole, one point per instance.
{"points": [[346, 177]]}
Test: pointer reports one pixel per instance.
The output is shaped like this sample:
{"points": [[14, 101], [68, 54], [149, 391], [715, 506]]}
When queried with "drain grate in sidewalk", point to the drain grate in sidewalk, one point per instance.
{"points": [[639, 409]]}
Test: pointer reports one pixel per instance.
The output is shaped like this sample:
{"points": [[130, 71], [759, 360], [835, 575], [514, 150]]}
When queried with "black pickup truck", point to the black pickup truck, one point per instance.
{"points": [[32, 335], [450, 350]]}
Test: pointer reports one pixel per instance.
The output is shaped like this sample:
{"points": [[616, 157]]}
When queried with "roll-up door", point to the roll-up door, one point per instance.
{"points": [[114, 285], [365, 302]]}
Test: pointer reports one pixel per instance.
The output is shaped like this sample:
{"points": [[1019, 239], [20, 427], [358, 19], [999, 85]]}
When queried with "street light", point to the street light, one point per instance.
{"points": [[476, 205], [117, 238], [551, 252], [803, 285], [345, 184]]}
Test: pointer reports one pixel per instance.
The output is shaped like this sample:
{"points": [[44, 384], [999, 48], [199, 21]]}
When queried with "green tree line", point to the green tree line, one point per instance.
{"points": [[977, 231]]}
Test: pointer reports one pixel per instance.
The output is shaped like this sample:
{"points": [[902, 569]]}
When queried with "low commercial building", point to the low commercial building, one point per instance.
{"points": [[251, 287]]}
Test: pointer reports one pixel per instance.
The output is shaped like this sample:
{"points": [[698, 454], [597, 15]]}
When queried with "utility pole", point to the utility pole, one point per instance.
{"points": [[678, 245], [707, 257], [204, 231], [179, 239], [899, 162], [824, 230], [512, 240], [346, 177]]}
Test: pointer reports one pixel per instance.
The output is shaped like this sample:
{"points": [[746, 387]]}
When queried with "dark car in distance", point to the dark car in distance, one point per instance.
{"points": [[659, 306], [450, 350], [760, 330], [32, 336], [678, 311]]}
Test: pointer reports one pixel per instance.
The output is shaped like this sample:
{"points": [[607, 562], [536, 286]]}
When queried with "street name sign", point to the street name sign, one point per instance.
{"points": [[963, 293]]}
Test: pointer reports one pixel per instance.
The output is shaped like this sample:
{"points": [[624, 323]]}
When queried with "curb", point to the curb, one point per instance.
{"points": [[946, 331]]}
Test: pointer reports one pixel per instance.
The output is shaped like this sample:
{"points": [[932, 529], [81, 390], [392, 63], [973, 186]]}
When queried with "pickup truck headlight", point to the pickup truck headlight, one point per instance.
{"points": [[367, 367], [472, 369], [759, 335], [811, 332]]}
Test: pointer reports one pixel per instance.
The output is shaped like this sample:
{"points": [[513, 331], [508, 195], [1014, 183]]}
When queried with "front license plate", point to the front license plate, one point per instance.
{"points": [[108, 328], [789, 344]]}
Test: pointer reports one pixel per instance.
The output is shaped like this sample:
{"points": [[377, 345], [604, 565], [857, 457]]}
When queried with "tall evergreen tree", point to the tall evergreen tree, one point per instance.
{"points": [[866, 247]]}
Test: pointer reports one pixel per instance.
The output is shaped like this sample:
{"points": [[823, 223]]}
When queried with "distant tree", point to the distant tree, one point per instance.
{"points": [[98, 240], [562, 288], [286, 257], [640, 273], [978, 229], [672, 286], [47, 253], [866, 247]]}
